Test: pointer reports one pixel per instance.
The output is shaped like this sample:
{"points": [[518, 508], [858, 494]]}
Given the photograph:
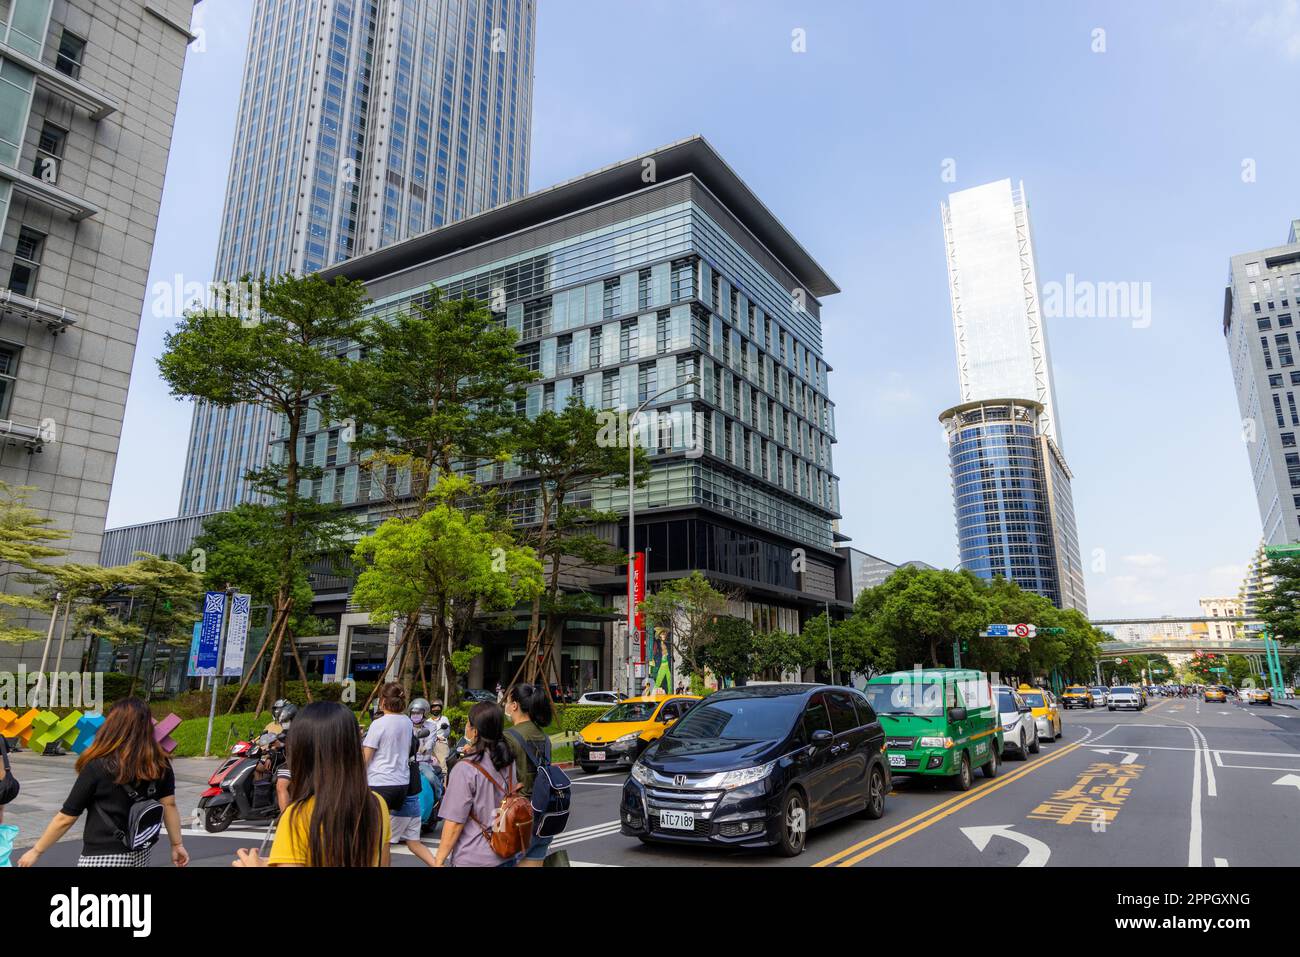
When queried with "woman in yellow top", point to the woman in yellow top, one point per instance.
{"points": [[333, 819]]}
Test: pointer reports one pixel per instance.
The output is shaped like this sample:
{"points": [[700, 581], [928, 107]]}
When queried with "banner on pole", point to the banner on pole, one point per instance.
{"points": [[237, 636], [193, 670], [214, 610], [638, 596]]}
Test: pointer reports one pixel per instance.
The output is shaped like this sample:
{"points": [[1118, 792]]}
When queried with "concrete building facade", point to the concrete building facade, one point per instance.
{"points": [[88, 93]]}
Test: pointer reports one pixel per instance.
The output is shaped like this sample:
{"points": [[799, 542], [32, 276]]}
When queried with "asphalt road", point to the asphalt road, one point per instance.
{"points": [[1184, 783]]}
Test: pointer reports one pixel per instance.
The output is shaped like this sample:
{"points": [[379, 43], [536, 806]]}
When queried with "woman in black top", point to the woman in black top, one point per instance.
{"points": [[124, 753]]}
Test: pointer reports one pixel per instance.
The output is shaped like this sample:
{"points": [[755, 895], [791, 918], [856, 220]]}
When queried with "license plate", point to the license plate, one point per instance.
{"points": [[596, 756], [677, 820], [898, 760]]}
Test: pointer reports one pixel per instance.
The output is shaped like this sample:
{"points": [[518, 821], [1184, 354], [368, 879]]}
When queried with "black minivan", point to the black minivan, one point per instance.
{"points": [[757, 766]]}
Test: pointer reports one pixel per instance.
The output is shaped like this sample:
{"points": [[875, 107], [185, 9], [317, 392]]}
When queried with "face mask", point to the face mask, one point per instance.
{"points": [[417, 718]]}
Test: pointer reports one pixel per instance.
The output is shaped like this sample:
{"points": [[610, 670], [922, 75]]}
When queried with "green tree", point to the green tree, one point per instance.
{"points": [[1279, 605], [778, 653], [565, 460], [282, 360], [163, 604], [448, 563], [854, 647], [922, 611], [730, 651], [26, 538], [434, 386], [687, 608]]}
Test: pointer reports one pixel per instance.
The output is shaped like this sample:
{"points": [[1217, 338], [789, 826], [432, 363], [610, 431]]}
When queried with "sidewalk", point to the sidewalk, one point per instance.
{"points": [[45, 781]]}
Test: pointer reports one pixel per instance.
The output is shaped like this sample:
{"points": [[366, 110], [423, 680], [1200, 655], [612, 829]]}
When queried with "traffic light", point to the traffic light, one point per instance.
{"points": [[965, 646]]}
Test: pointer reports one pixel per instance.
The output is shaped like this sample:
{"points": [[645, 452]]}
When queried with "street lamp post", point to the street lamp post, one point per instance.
{"points": [[631, 522]]}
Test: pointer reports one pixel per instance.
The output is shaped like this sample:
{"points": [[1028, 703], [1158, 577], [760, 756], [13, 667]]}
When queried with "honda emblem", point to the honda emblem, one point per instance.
{"points": [[679, 780]]}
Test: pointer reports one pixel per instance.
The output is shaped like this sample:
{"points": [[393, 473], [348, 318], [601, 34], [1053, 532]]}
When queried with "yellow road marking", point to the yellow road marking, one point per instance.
{"points": [[877, 842]]}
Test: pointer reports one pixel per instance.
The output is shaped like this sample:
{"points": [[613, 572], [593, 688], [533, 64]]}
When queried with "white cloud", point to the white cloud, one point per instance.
{"points": [[1273, 22]]}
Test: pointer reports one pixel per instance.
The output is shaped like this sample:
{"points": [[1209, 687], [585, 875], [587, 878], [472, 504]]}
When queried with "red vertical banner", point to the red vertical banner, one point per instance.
{"points": [[638, 596]]}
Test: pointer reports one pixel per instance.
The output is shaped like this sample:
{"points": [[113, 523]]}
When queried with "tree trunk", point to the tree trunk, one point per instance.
{"points": [[271, 682], [276, 625]]}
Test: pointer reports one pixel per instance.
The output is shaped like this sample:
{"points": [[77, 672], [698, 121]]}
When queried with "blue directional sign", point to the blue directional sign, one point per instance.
{"points": [[214, 610], [997, 631]]}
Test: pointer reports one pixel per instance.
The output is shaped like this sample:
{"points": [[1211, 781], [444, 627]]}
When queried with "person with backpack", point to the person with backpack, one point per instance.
{"points": [[126, 787], [481, 809], [334, 819], [529, 710]]}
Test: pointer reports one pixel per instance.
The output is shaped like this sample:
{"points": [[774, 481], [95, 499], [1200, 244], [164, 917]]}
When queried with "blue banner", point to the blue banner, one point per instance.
{"points": [[214, 610], [194, 650]]}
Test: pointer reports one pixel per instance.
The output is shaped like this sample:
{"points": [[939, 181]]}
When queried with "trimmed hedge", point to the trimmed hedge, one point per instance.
{"points": [[190, 734], [572, 718], [195, 704]]}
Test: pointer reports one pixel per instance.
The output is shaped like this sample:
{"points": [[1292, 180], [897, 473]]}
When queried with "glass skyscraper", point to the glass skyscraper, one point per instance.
{"points": [[1011, 484], [361, 123]]}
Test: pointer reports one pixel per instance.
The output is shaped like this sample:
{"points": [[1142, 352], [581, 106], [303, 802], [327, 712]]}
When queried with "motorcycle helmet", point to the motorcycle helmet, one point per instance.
{"points": [[418, 706], [283, 711]]}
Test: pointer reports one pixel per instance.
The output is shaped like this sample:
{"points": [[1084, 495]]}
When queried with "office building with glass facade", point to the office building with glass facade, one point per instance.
{"points": [[1011, 484], [619, 288], [361, 123], [1015, 517], [1261, 306], [88, 92]]}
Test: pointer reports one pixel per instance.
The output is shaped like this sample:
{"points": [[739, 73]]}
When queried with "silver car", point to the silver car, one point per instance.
{"points": [[1100, 696], [1019, 731], [1126, 697]]}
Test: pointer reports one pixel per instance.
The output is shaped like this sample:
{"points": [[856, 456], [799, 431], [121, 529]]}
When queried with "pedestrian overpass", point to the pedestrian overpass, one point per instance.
{"points": [[1191, 645]]}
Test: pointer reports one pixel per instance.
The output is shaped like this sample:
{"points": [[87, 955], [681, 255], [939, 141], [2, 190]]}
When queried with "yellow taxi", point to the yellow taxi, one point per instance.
{"points": [[1046, 714], [1215, 694], [617, 738], [1261, 696], [1076, 696]]}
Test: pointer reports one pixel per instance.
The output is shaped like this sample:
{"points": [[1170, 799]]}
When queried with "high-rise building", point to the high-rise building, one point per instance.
{"points": [[89, 91], [360, 124], [1011, 484], [621, 290], [1261, 306]]}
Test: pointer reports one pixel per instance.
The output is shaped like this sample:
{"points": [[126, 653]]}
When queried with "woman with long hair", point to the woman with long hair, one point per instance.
{"points": [[529, 709], [124, 759], [333, 819], [475, 789]]}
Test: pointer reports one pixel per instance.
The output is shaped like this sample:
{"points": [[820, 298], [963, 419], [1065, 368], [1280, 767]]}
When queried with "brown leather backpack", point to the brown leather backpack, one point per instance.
{"points": [[512, 824]]}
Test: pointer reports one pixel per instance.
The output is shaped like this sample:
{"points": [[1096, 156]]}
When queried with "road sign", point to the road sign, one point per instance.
{"points": [[1219, 671], [1282, 551], [1008, 631]]}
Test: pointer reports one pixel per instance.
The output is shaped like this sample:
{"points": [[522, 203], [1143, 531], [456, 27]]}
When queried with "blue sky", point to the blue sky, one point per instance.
{"points": [[1132, 159]]}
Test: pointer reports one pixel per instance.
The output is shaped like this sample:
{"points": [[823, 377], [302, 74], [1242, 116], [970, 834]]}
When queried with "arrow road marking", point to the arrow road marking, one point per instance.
{"points": [[1291, 779], [1038, 851], [1129, 756]]}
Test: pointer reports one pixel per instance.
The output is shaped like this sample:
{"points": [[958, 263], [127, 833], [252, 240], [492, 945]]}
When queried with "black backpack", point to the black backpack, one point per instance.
{"points": [[551, 790], [144, 819], [8, 783]]}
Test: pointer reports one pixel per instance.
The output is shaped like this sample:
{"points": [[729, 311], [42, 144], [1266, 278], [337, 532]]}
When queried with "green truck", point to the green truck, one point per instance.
{"points": [[941, 722]]}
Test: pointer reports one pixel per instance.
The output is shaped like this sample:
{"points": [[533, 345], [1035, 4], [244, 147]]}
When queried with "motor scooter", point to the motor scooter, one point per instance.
{"points": [[243, 788]]}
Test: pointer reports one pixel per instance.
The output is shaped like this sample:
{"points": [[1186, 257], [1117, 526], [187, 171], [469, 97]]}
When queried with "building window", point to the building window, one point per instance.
{"points": [[49, 153], [629, 340], [8, 375], [610, 306], [1264, 324], [643, 289], [663, 330], [1268, 356], [1288, 440], [593, 352], [564, 355], [1284, 320], [1284, 351], [71, 50], [1275, 381], [27, 262]]}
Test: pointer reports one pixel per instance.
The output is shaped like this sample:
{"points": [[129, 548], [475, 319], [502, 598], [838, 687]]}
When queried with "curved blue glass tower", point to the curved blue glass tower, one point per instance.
{"points": [[1002, 493]]}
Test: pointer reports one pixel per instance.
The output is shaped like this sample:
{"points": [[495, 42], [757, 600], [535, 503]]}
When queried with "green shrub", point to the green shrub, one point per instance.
{"points": [[195, 704], [457, 715], [572, 718], [226, 730], [116, 686]]}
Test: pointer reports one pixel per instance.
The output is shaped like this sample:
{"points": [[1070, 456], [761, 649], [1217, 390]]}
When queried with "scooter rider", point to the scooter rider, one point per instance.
{"points": [[426, 758], [282, 714]]}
